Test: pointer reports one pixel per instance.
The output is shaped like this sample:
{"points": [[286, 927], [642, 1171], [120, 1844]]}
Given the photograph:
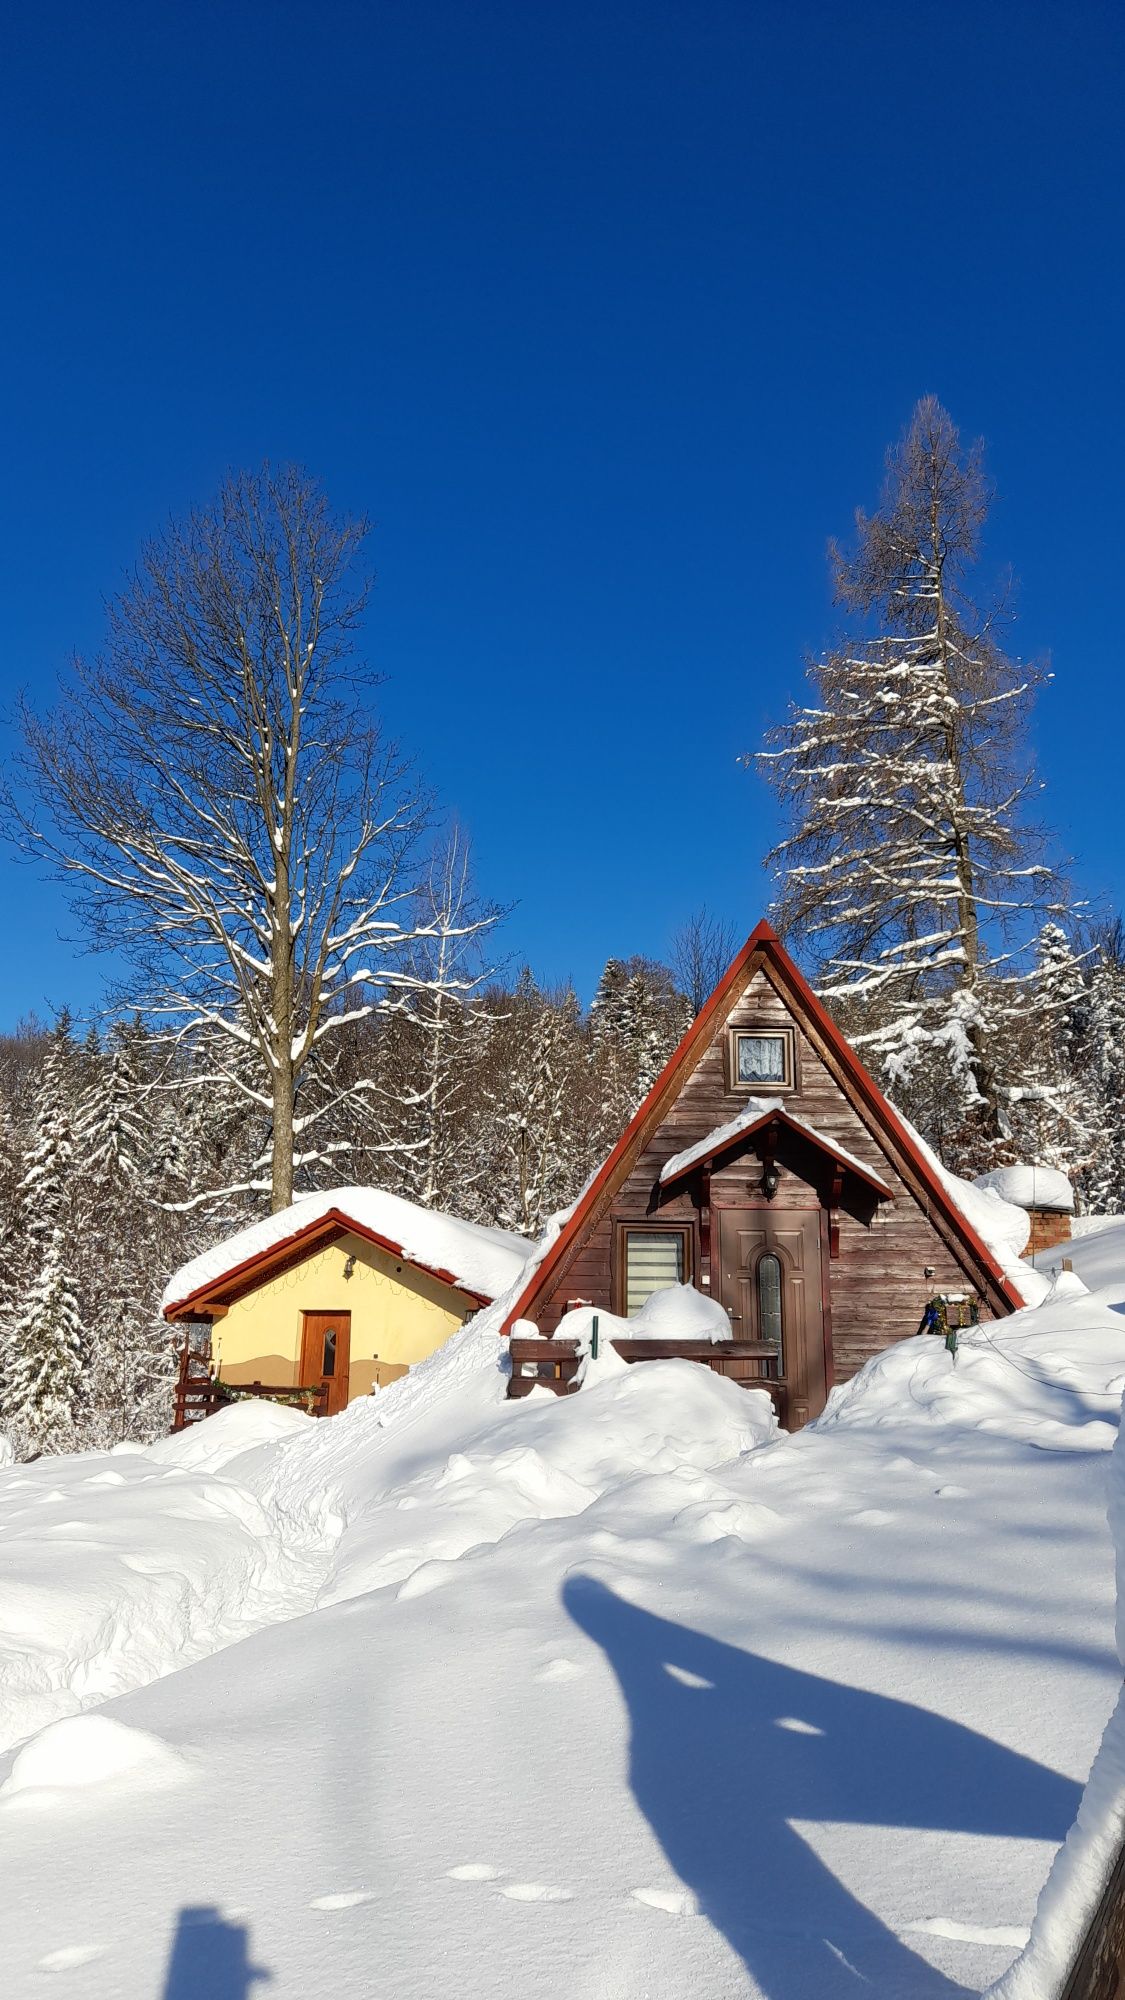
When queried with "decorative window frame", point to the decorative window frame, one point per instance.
{"points": [[787, 1036], [623, 1228]]}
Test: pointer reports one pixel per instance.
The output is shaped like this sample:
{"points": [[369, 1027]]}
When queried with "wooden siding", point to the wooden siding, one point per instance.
{"points": [[877, 1284]]}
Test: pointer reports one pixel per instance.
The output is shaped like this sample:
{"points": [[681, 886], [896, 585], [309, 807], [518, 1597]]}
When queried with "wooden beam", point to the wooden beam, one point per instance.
{"points": [[835, 1197]]}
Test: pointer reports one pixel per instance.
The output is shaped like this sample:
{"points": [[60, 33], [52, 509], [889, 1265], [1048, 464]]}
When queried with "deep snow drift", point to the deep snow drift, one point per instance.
{"points": [[615, 1696]]}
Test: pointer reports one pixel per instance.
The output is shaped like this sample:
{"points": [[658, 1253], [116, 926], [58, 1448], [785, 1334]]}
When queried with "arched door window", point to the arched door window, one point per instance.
{"points": [[769, 1301]]}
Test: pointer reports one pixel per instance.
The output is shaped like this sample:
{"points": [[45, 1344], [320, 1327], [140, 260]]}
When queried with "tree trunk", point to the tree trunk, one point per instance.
{"points": [[968, 915], [281, 1182]]}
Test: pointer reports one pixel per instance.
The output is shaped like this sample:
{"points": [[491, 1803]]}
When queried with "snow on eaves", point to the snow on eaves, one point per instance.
{"points": [[485, 1261], [752, 1113]]}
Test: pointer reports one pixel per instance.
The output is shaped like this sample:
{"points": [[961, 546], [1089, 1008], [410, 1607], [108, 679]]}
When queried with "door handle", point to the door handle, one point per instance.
{"points": [[734, 1315]]}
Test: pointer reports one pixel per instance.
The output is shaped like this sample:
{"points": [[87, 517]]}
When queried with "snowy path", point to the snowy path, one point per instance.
{"points": [[117, 1568]]}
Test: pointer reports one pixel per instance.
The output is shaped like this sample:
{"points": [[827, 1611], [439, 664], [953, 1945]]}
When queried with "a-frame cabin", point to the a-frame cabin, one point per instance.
{"points": [[767, 1169]]}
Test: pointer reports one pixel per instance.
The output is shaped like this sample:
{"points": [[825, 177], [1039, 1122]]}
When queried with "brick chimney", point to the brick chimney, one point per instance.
{"points": [[1043, 1192]]}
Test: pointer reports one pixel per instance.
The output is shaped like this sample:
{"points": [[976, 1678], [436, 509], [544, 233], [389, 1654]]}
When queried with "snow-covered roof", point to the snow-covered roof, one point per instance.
{"points": [[479, 1260], [754, 1112], [1002, 1226], [1030, 1187]]}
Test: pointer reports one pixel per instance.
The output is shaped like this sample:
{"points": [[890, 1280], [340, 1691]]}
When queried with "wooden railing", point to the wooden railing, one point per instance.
{"points": [[553, 1364], [200, 1394], [543, 1364]]}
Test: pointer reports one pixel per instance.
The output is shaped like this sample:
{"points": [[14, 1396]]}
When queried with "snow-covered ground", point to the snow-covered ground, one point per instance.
{"points": [[613, 1697]]}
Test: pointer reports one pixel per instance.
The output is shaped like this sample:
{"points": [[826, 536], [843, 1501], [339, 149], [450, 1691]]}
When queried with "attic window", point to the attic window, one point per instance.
{"points": [[761, 1059]]}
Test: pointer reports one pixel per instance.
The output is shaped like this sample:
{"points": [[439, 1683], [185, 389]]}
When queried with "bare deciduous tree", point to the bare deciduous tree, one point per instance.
{"points": [[218, 792], [702, 949]]}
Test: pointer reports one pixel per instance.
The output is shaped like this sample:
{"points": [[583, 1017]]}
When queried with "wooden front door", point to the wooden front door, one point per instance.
{"points": [[770, 1284], [326, 1346]]}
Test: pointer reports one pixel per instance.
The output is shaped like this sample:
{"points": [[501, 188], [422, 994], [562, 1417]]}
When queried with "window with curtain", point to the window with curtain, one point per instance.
{"points": [[654, 1259], [761, 1059]]}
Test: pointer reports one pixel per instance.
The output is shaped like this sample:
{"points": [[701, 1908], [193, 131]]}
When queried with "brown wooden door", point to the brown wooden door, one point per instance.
{"points": [[770, 1284], [326, 1346]]}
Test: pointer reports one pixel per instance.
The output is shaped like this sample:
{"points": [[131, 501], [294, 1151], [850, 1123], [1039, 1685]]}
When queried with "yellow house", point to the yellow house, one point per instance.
{"points": [[344, 1289]]}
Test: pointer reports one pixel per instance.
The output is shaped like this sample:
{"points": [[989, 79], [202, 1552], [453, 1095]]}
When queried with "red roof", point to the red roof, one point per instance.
{"points": [[764, 947]]}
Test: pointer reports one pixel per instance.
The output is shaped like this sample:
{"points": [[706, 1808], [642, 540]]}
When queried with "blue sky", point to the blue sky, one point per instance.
{"points": [[605, 314]]}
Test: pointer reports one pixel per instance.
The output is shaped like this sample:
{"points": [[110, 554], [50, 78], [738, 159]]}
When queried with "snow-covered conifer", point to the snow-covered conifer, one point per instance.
{"points": [[911, 868], [44, 1346], [1101, 1040]]}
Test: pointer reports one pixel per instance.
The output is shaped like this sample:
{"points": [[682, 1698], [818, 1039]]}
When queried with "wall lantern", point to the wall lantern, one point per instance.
{"points": [[771, 1180], [349, 1267]]}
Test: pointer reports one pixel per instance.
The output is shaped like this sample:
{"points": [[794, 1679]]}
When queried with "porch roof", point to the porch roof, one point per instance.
{"points": [[757, 1113]]}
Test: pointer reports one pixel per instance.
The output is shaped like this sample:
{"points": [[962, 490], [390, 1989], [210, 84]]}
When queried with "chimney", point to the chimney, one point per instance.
{"points": [[1043, 1192]]}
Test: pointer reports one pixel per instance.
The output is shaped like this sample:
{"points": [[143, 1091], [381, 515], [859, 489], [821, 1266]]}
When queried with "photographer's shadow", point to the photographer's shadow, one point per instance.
{"points": [[210, 1959]]}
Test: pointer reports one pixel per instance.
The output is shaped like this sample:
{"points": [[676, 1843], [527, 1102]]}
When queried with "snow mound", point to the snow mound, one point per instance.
{"points": [[681, 1313], [88, 1750], [1096, 1256], [676, 1312], [225, 1436], [452, 1484], [484, 1261], [1050, 1377], [1029, 1187], [117, 1568]]}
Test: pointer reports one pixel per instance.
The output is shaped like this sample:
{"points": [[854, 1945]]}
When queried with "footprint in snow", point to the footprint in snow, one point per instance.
{"points": [[346, 1899], [873, 1517], [70, 1957], [560, 1670], [945, 1927], [535, 1892], [675, 1902], [473, 1871], [952, 1492]]}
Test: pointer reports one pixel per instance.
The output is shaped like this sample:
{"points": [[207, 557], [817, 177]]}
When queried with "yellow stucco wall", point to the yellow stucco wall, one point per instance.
{"points": [[398, 1314]]}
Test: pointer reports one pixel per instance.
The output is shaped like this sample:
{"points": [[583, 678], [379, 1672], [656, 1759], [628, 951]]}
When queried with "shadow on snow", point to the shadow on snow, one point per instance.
{"points": [[210, 1959], [720, 1773]]}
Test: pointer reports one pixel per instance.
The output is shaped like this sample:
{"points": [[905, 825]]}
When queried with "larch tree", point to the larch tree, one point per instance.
{"points": [[218, 792], [911, 867]]}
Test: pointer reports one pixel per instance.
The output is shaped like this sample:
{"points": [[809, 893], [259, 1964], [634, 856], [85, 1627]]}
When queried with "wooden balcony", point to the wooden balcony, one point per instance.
{"points": [[200, 1394]]}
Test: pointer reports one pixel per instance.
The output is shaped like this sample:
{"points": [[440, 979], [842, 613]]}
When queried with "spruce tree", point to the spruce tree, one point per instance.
{"points": [[45, 1346], [1101, 1038]]}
